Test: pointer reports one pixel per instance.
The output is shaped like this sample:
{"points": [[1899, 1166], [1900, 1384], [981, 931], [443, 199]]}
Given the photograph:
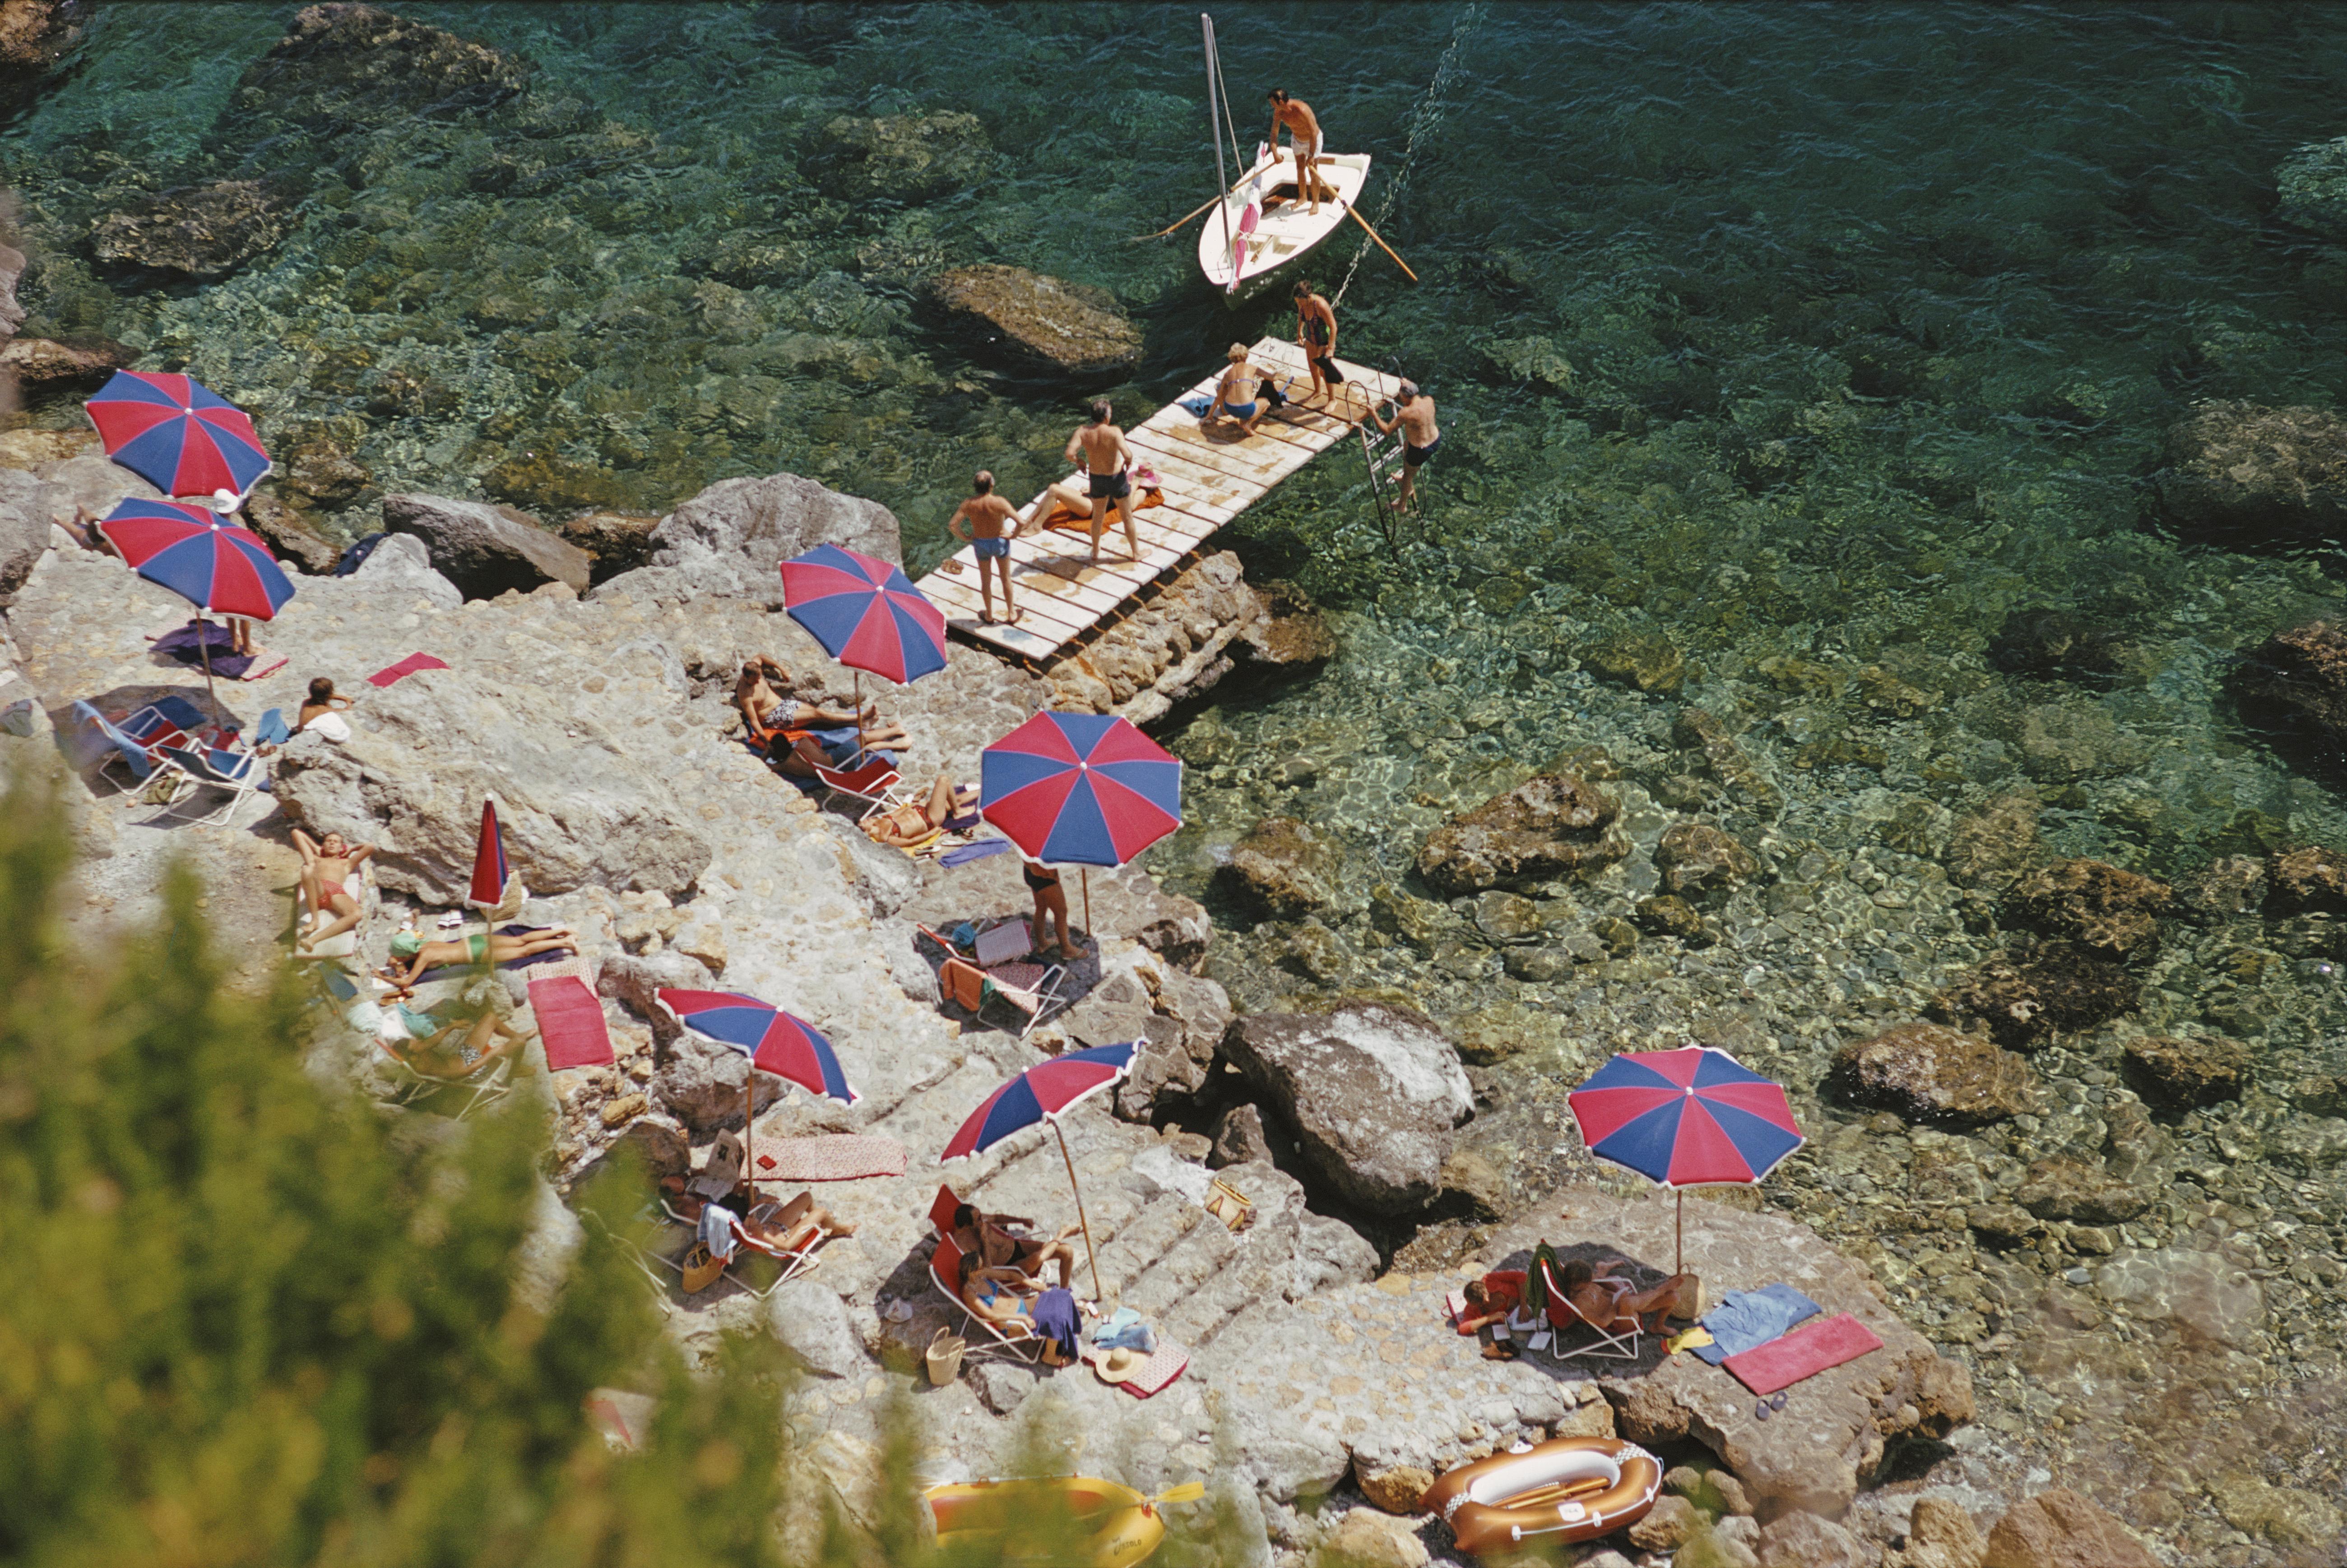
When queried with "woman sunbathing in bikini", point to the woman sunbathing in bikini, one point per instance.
{"points": [[946, 807], [473, 948], [1611, 1301], [327, 867], [992, 1238], [793, 1226], [458, 1048]]}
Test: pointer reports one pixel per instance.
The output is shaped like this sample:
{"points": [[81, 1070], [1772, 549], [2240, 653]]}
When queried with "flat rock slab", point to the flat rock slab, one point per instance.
{"points": [[485, 549], [1830, 1435], [1038, 320]]}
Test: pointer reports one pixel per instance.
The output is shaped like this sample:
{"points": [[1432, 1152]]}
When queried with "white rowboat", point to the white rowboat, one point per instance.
{"points": [[1265, 221]]}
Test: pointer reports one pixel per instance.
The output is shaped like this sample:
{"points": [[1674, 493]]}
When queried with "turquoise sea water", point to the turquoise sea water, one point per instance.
{"points": [[1810, 340]]}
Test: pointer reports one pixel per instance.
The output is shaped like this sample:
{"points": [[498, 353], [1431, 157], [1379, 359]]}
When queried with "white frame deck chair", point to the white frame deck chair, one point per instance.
{"points": [[1564, 1317], [194, 772], [492, 1085], [1028, 1347], [878, 793], [793, 1263]]}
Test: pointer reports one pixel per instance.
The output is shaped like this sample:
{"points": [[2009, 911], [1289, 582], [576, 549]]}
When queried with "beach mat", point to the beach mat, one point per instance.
{"points": [[1803, 1353], [393, 674], [1153, 1375], [842, 1157], [570, 1023]]}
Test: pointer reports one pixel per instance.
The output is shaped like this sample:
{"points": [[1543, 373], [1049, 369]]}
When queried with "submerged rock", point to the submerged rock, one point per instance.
{"points": [[2186, 1073], [1284, 868], [2028, 995], [341, 65], [2051, 643], [2293, 685], [1646, 660], [1371, 1092], [37, 367], [1551, 825], [1926, 1073], [2312, 185], [35, 38], [1038, 320], [2101, 907], [485, 549], [1990, 848], [11, 271], [2060, 1529], [2252, 475], [2309, 881], [1292, 633], [1696, 859], [2067, 1188], [202, 230], [901, 158]]}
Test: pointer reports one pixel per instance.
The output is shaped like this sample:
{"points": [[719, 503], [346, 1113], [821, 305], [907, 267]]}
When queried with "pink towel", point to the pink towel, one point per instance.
{"points": [[570, 1022], [1153, 1375], [840, 1157], [404, 668], [265, 661], [1803, 1353]]}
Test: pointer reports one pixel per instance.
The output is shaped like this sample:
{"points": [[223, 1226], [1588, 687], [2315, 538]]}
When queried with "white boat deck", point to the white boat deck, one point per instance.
{"points": [[1210, 476]]}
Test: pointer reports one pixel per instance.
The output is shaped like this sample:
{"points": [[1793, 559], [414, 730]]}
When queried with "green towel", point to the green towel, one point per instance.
{"points": [[1536, 1280]]}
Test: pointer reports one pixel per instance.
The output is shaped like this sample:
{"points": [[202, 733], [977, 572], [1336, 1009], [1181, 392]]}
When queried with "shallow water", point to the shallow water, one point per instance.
{"points": [[1828, 334]]}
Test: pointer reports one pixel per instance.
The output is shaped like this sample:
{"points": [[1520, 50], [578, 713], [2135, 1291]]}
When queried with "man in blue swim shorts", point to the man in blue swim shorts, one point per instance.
{"points": [[993, 524]]}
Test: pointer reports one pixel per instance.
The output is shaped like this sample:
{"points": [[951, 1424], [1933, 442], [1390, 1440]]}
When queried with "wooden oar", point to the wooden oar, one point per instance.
{"points": [[1210, 200], [1389, 249], [1559, 1493]]}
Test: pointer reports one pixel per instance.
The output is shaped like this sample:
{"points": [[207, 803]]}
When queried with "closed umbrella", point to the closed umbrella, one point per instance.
{"points": [[176, 434], [775, 1041], [199, 555], [1695, 1117], [1045, 1093], [1079, 789]]}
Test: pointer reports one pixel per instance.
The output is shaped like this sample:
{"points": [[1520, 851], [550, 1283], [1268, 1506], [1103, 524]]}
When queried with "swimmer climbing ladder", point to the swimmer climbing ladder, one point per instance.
{"points": [[1210, 476]]}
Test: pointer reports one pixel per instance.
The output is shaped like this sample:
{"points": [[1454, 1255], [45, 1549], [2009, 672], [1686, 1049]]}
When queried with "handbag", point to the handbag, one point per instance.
{"points": [[701, 1268], [1230, 1205], [945, 1356]]}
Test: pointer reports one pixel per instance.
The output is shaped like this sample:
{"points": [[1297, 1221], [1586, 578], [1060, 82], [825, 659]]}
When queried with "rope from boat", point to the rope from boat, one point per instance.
{"points": [[1425, 117]]}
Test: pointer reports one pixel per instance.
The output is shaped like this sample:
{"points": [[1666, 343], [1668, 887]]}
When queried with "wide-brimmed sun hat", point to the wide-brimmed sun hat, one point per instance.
{"points": [[1116, 1366]]}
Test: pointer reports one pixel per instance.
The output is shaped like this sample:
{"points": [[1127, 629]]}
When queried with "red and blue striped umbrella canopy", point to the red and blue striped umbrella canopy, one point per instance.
{"points": [[1046, 1089], [772, 1040], [490, 868], [867, 613], [211, 564], [1079, 789], [1686, 1118], [176, 434]]}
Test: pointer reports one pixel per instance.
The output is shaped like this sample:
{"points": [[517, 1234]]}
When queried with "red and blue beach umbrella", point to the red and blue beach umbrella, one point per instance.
{"points": [[867, 613], [212, 564], [773, 1041], [176, 434], [490, 871], [1043, 1093], [1079, 789], [1690, 1118]]}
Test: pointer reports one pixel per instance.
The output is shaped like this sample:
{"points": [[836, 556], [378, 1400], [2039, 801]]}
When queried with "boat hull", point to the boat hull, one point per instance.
{"points": [[1240, 261], [1566, 1490], [1104, 1524]]}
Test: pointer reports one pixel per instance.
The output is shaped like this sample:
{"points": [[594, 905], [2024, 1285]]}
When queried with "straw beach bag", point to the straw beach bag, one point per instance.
{"points": [[945, 1356]]}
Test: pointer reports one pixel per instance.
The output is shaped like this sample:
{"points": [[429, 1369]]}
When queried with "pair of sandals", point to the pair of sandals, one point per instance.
{"points": [[1770, 1406]]}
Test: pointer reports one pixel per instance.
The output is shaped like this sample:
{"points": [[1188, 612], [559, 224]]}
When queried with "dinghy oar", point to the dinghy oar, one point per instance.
{"points": [[1138, 238], [1389, 249], [1188, 1492]]}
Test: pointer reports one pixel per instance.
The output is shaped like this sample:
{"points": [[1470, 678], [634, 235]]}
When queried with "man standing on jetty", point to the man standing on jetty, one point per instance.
{"points": [[993, 524], [1304, 141], [1100, 446]]}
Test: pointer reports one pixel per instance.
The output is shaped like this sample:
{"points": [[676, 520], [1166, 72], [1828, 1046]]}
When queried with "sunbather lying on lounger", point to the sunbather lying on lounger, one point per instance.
{"points": [[460, 1047], [328, 866], [1610, 1301], [473, 947], [765, 708], [946, 806], [1001, 1242], [798, 753], [795, 1225]]}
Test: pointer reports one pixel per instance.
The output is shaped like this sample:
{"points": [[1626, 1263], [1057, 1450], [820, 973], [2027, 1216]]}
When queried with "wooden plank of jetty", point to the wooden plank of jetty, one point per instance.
{"points": [[1208, 476]]}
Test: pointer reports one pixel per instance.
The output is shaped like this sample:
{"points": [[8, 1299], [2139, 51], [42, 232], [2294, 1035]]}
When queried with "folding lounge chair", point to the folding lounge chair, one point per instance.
{"points": [[1032, 991], [945, 1264], [1564, 1318], [875, 784], [238, 772], [412, 1085], [135, 744], [745, 1245]]}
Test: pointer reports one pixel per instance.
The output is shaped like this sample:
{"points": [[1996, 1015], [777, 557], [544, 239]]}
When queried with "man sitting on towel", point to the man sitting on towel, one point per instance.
{"points": [[1002, 1241], [1491, 1302], [1610, 1301]]}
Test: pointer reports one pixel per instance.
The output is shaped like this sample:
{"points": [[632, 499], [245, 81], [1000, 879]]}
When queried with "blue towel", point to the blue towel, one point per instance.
{"points": [[1108, 1327], [962, 855], [271, 730], [1747, 1319], [1200, 406], [1131, 1337], [1055, 1319]]}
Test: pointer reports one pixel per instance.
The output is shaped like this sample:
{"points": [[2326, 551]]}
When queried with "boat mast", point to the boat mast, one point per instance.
{"points": [[1215, 135]]}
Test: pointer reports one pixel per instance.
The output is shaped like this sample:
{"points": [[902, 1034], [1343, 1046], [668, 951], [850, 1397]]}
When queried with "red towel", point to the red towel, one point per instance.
{"points": [[570, 1022], [1803, 1353], [404, 668]]}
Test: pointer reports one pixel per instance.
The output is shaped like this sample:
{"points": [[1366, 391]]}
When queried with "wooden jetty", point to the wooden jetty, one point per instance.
{"points": [[1208, 476]]}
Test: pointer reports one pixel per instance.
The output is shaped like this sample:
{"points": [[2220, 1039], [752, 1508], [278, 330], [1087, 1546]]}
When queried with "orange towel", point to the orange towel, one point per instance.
{"points": [[1082, 522]]}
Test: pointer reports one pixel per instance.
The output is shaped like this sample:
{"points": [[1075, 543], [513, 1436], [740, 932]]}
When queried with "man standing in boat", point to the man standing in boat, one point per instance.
{"points": [[1315, 334], [1420, 437], [1100, 446], [1304, 141]]}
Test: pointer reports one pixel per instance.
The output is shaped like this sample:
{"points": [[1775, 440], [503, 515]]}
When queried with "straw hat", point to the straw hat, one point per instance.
{"points": [[1116, 1366]]}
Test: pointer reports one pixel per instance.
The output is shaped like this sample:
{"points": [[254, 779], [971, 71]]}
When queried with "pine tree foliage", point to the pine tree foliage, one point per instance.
{"points": [[247, 1318]]}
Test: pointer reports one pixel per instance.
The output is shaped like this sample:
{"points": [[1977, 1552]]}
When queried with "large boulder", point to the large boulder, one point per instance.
{"points": [[2027, 996], [1551, 825], [1038, 320], [2184, 1074], [37, 367], [578, 808], [2293, 685], [26, 507], [485, 549], [900, 157], [201, 230], [2252, 475], [35, 38], [731, 539], [2102, 908], [1283, 868], [1371, 1092], [398, 570], [1929, 1073], [2060, 1529], [342, 66]]}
